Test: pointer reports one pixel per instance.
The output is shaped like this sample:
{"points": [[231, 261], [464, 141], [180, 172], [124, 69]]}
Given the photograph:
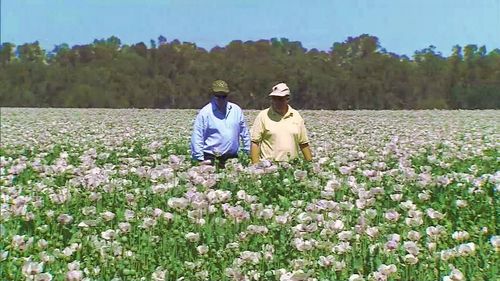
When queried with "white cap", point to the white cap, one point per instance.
{"points": [[280, 90]]}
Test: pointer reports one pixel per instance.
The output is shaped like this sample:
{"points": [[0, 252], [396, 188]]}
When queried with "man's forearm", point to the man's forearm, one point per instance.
{"points": [[306, 151], [255, 153]]}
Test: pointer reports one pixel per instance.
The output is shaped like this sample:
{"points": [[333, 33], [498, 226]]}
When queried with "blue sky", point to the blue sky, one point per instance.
{"points": [[402, 26]]}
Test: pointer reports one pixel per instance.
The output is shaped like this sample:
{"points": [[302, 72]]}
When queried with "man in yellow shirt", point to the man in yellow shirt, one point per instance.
{"points": [[279, 131]]}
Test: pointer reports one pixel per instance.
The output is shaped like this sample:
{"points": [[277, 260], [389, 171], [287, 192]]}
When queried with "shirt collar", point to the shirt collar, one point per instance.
{"points": [[216, 108], [288, 113]]}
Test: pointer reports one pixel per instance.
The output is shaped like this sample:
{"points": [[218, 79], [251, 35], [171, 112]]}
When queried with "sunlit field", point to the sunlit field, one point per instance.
{"points": [[95, 194]]}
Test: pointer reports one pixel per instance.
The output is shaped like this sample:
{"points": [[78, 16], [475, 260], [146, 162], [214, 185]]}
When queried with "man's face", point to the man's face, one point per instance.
{"points": [[220, 99], [279, 103]]}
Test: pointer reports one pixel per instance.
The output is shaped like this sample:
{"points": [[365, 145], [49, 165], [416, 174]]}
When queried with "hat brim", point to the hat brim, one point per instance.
{"points": [[273, 94], [220, 90]]}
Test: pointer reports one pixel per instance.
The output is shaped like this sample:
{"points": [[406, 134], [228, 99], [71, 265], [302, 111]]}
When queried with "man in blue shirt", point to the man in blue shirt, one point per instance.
{"points": [[218, 128]]}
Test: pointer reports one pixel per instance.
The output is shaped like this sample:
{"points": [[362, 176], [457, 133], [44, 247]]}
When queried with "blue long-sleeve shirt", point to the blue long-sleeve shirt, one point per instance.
{"points": [[217, 133]]}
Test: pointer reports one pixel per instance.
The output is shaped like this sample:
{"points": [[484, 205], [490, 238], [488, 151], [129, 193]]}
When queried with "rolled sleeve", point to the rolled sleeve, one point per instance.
{"points": [[303, 139], [197, 138], [244, 135], [257, 129]]}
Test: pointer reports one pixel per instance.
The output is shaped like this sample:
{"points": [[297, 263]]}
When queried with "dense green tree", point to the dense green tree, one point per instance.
{"points": [[6, 53], [357, 73], [31, 52]]}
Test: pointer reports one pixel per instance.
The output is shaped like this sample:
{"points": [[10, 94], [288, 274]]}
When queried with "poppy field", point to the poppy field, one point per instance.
{"points": [[101, 194]]}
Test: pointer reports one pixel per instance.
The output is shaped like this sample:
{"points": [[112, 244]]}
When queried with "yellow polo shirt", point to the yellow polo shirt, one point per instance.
{"points": [[279, 136]]}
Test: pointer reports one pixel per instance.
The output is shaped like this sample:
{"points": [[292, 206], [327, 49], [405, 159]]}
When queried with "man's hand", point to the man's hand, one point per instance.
{"points": [[205, 162]]}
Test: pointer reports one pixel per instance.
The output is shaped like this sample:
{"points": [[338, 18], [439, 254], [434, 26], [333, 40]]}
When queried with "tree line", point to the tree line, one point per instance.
{"points": [[355, 74]]}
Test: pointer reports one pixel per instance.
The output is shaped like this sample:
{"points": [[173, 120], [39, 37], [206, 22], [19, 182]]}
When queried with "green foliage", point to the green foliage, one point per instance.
{"points": [[480, 96], [356, 74]]}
